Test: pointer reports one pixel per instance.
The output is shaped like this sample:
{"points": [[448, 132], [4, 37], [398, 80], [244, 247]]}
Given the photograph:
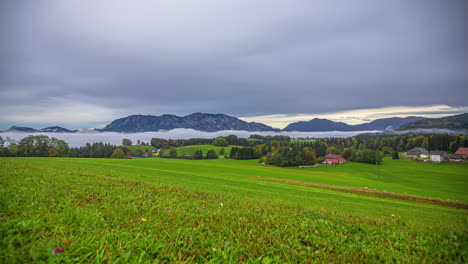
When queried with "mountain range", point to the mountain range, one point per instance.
{"points": [[197, 121], [46, 129], [449, 122], [219, 122], [318, 124]]}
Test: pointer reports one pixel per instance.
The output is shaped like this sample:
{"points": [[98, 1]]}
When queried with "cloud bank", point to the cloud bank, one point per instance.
{"points": [[88, 62]]}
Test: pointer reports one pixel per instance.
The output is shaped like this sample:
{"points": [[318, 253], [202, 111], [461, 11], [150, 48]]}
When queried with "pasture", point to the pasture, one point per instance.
{"points": [[227, 211], [188, 150]]}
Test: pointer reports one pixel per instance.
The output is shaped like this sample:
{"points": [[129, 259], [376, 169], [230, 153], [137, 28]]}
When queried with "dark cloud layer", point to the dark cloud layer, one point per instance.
{"points": [[244, 58]]}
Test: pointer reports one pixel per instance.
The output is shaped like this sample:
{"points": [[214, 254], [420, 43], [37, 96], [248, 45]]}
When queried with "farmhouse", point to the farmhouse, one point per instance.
{"points": [[456, 158], [417, 152], [463, 152], [331, 159], [437, 156]]}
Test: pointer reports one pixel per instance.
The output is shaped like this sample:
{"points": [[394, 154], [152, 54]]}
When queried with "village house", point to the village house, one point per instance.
{"points": [[331, 159], [463, 152], [456, 158], [417, 153], [437, 156]]}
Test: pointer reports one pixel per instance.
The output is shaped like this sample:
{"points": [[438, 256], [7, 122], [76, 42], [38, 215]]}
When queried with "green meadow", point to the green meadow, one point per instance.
{"points": [[188, 150], [228, 211]]}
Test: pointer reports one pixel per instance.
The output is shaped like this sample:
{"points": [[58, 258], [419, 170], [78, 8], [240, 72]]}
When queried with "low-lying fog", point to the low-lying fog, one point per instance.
{"points": [[81, 138]]}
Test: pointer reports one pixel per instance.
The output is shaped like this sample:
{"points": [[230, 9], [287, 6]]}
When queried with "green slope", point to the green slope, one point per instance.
{"points": [[224, 211]]}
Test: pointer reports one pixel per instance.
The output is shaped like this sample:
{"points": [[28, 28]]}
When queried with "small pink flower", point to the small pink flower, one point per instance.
{"points": [[153, 201], [58, 250], [167, 208]]}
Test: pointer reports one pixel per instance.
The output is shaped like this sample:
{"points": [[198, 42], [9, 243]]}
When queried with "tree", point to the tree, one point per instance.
{"points": [[197, 154], [395, 155], [309, 156], [126, 142], [173, 153], [138, 153], [138, 142], [211, 154], [118, 154], [220, 141], [53, 153], [368, 156], [222, 151], [332, 150], [453, 147]]}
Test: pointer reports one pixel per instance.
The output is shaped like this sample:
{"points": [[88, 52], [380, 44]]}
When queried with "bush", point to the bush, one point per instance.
{"points": [[118, 154], [197, 154], [173, 153], [211, 154], [220, 142]]}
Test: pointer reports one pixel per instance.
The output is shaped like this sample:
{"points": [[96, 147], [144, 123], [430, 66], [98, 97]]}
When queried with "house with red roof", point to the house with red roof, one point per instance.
{"points": [[463, 152], [331, 159]]}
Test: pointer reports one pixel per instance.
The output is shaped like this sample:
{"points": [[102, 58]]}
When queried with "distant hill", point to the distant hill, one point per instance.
{"points": [[53, 129], [57, 129], [197, 121], [448, 122], [318, 124], [391, 123], [22, 129]]}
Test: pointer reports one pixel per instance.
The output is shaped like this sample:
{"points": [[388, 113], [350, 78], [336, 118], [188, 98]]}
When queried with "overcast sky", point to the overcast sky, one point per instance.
{"points": [[84, 63]]}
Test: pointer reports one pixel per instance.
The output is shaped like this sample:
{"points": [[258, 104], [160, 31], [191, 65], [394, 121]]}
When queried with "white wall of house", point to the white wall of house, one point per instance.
{"points": [[436, 158], [423, 156]]}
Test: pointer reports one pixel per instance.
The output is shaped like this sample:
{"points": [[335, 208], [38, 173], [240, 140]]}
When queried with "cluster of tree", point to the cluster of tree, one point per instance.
{"points": [[284, 156], [197, 155], [244, 153], [121, 152], [368, 156], [280, 138], [161, 143], [404, 142], [35, 146], [141, 153], [126, 142], [220, 142], [210, 154], [95, 150]]}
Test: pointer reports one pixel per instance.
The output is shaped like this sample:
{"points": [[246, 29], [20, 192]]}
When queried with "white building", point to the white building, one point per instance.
{"points": [[437, 156]]}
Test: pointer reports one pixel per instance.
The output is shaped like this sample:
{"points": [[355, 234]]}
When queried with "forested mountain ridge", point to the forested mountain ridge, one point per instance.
{"points": [[318, 124], [197, 121], [449, 122]]}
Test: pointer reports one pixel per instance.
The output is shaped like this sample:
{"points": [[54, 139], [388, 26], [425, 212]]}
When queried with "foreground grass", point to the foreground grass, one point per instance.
{"points": [[80, 205]]}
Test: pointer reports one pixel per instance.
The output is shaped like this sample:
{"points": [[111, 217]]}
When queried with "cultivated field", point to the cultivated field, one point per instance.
{"points": [[177, 211]]}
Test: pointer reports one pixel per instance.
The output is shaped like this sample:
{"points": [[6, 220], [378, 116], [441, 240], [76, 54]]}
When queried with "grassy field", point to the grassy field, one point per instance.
{"points": [[177, 211], [188, 150], [147, 148]]}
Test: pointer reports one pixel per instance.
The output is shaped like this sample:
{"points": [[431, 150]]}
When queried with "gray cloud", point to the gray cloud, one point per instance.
{"points": [[244, 58]]}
